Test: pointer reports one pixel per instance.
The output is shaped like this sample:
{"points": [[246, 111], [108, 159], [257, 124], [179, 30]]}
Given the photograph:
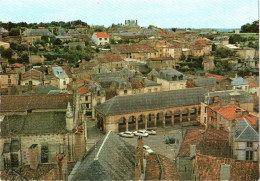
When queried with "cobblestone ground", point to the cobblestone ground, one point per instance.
{"points": [[156, 142]]}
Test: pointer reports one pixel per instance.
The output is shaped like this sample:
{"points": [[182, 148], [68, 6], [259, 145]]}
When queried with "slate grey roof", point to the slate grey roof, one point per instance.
{"points": [[42, 89], [153, 72], [59, 72], [170, 74], [37, 32], [73, 31], [245, 131], [62, 32], [34, 123], [241, 96], [239, 81], [151, 101], [206, 82], [111, 159], [54, 92]]}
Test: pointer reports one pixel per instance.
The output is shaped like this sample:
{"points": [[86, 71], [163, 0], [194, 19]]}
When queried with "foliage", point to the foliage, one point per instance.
{"points": [[6, 52], [78, 47], [183, 57], [14, 32], [223, 53], [24, 58], [250, 28], [107, 46], [99, 29], [213, 47]]}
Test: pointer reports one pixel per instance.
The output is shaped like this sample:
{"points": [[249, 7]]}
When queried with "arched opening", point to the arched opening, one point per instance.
{"points": [[131, 123], [185, 113], [150, 121], [159, 119], [141, 121], [193, 115], [177, 116], [168, 118], [122, 124]]}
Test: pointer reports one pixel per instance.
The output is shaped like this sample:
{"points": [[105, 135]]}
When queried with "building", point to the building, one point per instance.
{"points": [[32, 77], [36, 59], [15, 68], [171, 79], [223, 82], [134, 51], [8, 79], [245, 141], [240, 84], [62, 35], [86, 70], [207, 83], [57, 77], [100, 38], [143, 111], [31, 35], [222, 40], [208, 63], [110, 62], [160, 63], [245, 52]]}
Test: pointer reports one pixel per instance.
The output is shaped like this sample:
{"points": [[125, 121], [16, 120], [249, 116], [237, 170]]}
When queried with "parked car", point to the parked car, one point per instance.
{"points": [[151, 131], [147, 150], [127, 134], [141, 133], [170, 140]]}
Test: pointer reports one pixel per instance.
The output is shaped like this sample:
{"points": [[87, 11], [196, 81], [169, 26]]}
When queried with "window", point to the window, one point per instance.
{"points": [[86, 98], [14, 160], [249, 144], [44, 154], [125, 92], [105, 38], [30, 82], [64, 82], [205, 110], [249, 155], [9, 81], [98, 93], [155, 89], [9, 76], [149, 90], [100, 38], [204, 120]]}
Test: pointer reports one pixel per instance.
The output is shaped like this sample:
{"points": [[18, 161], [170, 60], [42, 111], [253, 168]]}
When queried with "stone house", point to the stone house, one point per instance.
{"points": [[161, 63], [57, 77], [62, 35], [32, 77], [254, 89], [223, 82], [100, 38], [239, 83], [135, 51], [86, 70], [164, 48], [36, 59], [222, 40], [31, 35], [15, 68], [171, 79], [245, 141], [8, 79], [245, 52], [208, 63], [110, 62], [207, 83]]}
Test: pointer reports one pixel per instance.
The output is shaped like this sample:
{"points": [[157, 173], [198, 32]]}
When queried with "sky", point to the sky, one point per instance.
{"points": [[161, 13]]}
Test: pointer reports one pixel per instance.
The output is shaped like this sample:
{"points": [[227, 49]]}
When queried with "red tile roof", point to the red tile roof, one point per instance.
{"points": [[83, 90], [229, 111], [136, 85], [253, 85], [110, 57], [134, 48], [194, 136], [218, 77], [101, 34], [208, 168], [249, 118], [18, 65], [32, 102]]}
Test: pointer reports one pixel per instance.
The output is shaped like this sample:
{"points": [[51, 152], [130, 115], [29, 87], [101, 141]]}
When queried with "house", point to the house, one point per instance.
{"points": [[208, 63], [254, 89], [8, 79], [134, 51], [61, 76], [102, 161], [222, 40], [110, 62], [85, 70], [90, 94], [62, 35], [207, 83], [223, 82], [36, 59], [73, 32], [171, 79], [100, 38], [245, 141], [160, 63], [239, 83], [32, 77], [5, 45], [245, 52], [15, 68], [31, 35], [250, 62]]}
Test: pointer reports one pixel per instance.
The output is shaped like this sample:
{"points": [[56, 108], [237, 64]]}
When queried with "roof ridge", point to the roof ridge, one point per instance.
{"points": [[96, 157]]}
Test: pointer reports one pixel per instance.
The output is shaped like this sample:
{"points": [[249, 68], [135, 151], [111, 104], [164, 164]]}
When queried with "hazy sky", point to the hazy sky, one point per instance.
{"points": [[161, 13]]}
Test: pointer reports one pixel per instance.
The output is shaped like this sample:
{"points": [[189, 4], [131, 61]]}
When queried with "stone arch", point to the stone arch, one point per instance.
{"points": [[168, 118], [141, 121], [122, 124], [185, 115], [177, 116], [193, 114], [159, 119], [151, 120], [131, 123]]}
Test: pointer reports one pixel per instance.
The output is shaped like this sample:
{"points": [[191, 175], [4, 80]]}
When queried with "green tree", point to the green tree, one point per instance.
{"points": [[213, 47], [78, 47], [183, 57], [223, 53], [14, 32]]}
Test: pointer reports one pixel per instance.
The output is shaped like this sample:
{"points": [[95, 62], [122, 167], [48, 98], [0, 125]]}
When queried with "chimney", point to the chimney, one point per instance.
{"points": [[34, 156], [225, 172], [238, 113], [215, 99], [61, 160], [192, 150]]}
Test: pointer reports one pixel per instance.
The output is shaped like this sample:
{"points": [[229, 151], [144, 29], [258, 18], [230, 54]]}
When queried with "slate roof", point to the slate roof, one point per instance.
{"points": [[241, 96], [34, 123], [42, 89], [205, 82], [153, 72], [33, 102], [72, 31], [239, 81], [169, 73], [59, 72], [218, 77], [245, 131], [110, 159], [151, 101], [134, 48], [37, 32]]}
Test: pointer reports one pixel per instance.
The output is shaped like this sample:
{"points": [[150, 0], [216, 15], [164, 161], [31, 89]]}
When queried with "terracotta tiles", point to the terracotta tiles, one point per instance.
{"points": [[110, 57], [218, 77], [229, 111], [102, 34]]}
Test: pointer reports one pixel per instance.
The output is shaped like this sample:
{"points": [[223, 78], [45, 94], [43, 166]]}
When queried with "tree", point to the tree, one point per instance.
{"points": [[107, 46], [78, 47], [6, 53], [250, 28], [223, 53], [24, 58], [57, 42], [183, 57], [14, 32], [213, 47]]}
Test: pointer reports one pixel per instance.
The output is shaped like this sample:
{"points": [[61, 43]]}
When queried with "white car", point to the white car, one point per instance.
{"points": [[147, 150], [151, 131], [141, 133], [127, 134]]}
